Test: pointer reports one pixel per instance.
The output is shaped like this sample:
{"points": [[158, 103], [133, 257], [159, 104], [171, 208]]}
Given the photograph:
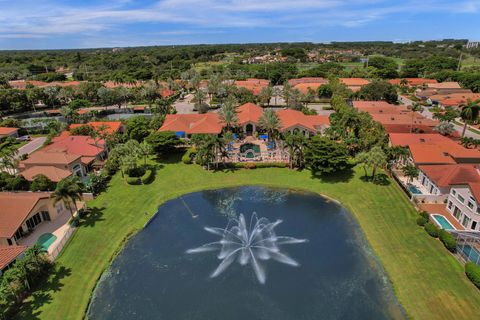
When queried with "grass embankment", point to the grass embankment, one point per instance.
{"points": [[428, 281]]}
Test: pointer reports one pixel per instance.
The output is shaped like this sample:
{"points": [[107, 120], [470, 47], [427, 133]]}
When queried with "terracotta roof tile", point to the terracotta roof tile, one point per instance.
{"points": [[249, 112], [53, 173], [10, 253]]}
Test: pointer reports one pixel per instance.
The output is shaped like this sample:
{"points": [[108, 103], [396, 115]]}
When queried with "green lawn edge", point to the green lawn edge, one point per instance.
{"points": [[427, 280]]}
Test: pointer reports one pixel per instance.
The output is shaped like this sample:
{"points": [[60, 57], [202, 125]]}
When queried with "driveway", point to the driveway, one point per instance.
{"points": [[33, 145], [184, 106]]}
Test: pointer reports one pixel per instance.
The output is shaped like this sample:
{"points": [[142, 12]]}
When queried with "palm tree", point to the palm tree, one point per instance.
{"points": [[69, 191], [469, 112], [270, 122], [295, 144], [228, 114], [266, 95], [416, 107], [8, 159], [145, 150], [410, 172]]}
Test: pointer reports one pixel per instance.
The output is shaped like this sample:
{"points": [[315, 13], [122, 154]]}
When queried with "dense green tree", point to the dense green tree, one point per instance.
{"points": [[137, 128], [323, 155], [69, 191], [163, 143], [379, 90], [42, 183]]}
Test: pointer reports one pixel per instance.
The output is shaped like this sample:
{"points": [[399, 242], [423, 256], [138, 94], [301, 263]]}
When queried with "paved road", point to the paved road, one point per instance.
{"points": [[33, 145], [184, 106]]}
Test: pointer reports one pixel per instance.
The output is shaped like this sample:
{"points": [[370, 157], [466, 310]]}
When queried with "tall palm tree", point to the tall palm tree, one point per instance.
{"points": [[295, 144], [270, 122], [416, 107], [469, 112], [228, 114], [69, 191]]}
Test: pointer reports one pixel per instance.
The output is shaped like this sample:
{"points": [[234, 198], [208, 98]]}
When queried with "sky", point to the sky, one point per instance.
{"points": [[66, 24]]}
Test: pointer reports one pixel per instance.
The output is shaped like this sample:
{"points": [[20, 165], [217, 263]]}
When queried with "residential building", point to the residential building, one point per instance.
{"points": [[464, 204], [184, 125], [8, 132], [8, 256], [413, 82], [434, 149], [66, 155], [23, 212], [316, 80], [354, 84], [108, 127], [253, 85]]}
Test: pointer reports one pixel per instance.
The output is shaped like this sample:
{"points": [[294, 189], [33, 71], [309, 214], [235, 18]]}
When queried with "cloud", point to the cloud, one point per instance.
{"points": [[35, 18]]}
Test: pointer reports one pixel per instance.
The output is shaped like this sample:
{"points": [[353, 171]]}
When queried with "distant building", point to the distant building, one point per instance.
{"points": [[472, 44]]}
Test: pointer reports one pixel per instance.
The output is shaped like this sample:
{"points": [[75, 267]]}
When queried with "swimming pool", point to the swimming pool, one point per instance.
{"points": [[413, 189], [443, 222], [46, 240]]}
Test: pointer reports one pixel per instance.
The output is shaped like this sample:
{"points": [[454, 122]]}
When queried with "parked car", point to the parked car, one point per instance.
{"points": [[24, 138]]}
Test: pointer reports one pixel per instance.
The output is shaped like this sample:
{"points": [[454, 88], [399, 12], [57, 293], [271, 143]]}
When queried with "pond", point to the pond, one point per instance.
{"points": [[303, 257]]}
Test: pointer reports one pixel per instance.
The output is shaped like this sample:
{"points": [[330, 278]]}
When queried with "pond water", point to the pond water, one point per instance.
{"points": [[331, 275]]}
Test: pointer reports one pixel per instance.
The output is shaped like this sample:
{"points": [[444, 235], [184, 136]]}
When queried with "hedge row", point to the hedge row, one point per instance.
{"points": [[473, 273], [255, 165], [133, 180], [445, 237], [148, 176]]}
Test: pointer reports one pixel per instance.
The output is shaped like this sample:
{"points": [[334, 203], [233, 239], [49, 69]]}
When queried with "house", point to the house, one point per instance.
{"points": [[444, 85], [405, 122], [108, 127], [248, 117], [184, 125], [380, 107], [295, 121], [8, 256], [434, 149], [23, 212], [305, 88], [354, 84], [248, 121], [437, 180], [8, 132], [253, 85], [413, 82], [464, 204], [65, 156], [310, 80]]}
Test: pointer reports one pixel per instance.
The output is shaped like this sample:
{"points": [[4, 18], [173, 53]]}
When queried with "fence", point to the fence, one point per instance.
{"points": [[59, 246]]}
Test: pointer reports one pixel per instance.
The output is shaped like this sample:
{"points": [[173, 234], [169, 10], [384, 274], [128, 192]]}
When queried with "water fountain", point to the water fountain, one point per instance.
{"points": [[248, 244]]}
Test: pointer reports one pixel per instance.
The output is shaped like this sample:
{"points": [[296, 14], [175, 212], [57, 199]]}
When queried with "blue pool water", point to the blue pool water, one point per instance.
{"points": [[444, 224], [413, 189], [471, 254]]}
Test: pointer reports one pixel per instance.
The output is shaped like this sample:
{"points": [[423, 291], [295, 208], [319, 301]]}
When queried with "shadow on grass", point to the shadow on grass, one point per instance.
{"points": [[175, 157], [42, 295], [380, 179], [335, 177], [91, 217]]}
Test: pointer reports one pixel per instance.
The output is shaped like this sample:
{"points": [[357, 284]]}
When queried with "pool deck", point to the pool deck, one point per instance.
{"points": [[440, 209]]}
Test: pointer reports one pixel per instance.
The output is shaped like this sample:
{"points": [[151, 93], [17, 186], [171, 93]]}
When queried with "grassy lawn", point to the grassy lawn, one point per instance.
{"points": [[428, 281]]}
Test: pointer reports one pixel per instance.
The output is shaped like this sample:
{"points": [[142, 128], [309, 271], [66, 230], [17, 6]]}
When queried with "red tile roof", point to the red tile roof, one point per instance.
{"points": [[42, 157], [413, 81], [249, 112], [53, 173], [475, 189], [76, 145], [208, 123], [444, 85], [253, 85], [290, 118], [10, 253], [447, 175], [404, 118], [434, 148], [354, 82], [306, 87], [16, 206], [5, 131], [111, 127], [373, 107], [311, 80]]}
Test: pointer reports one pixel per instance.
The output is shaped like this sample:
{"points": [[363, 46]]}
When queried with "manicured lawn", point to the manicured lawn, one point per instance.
{"points": [[428, 281]]}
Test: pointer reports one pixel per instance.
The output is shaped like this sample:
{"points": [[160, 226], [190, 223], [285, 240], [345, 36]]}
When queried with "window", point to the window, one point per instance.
{"points": [[474, 225], [457, 212], [460, 198], [34, 221], [9, 241], [466, 221], [45, 216], [454, 192], [470, 205], [450, 204]]}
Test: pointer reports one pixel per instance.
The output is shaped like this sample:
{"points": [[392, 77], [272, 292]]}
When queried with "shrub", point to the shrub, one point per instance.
{"points": [[148, 176], [250, 165], [42, 183], [473, 273], [448, 240], [99, 182], [421, 221], [133, 180], [425, 215], [136, 172], [432, 229], [189, 155]]}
